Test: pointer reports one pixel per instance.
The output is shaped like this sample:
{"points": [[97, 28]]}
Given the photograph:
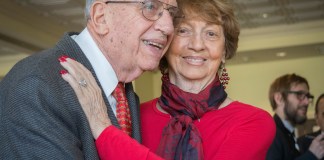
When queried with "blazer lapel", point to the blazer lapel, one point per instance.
{"points": [[77, 54], [133, 103], [110, 112]]}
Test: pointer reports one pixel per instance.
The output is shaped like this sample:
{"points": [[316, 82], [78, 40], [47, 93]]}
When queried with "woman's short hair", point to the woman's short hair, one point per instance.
{"points": [[218, 12]]}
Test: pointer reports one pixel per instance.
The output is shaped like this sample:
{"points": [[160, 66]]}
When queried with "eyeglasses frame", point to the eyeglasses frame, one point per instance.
{"points": [[143, 2], [309, 96]]}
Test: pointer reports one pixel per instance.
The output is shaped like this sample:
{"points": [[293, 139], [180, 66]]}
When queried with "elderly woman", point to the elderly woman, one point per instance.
{"points": [[194, 118]]}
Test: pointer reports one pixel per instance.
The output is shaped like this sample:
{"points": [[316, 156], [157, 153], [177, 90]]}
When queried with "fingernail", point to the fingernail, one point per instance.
{"points": [[63, 58], [63, 72]]}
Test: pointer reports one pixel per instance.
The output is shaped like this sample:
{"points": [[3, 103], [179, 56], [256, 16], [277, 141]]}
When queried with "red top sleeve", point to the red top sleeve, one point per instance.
{"points": [[249, 139], [115, 144]]}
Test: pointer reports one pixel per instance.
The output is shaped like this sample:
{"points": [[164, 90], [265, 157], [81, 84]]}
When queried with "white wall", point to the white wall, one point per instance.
{"points": [[250, 83]]}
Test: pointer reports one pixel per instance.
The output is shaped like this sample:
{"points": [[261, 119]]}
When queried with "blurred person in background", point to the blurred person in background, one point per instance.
{"points": [[289, 98], [306, 140]]}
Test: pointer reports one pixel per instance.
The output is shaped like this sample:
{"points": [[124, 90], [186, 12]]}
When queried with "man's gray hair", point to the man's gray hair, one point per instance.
{"points": [[87, 8]]}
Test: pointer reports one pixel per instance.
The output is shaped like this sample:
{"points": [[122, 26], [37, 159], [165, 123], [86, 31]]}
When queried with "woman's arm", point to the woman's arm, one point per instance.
{"points": [[111, 142], [250, 137], [125, 148]]}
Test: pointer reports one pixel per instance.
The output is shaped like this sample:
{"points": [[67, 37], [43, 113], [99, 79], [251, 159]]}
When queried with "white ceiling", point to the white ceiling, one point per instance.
{"points": [[268, 27]]}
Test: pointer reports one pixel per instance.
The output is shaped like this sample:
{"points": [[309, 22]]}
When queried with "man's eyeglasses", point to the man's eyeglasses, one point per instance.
{"points": [[302, 95], [153, 9]]}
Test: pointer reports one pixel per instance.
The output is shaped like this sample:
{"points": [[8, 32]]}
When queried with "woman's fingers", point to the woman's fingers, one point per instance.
{"points": [[89, 95], [73, 83], [72, 68], [82, 76]]}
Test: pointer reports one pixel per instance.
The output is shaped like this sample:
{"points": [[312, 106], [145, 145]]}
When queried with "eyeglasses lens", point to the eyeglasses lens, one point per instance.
{"points": [[153, 10], [302, 95]]}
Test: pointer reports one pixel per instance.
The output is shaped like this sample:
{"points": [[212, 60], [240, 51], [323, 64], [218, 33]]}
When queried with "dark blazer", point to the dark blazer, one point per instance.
{"points": [[306, 140], [283, 146], [40, 116]]}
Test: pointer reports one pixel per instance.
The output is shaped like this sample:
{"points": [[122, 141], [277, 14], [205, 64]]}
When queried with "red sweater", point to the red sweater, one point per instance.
{"points": [[238, 131]]}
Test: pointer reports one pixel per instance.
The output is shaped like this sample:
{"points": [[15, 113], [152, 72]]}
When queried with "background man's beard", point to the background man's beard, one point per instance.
{"points": [[292, 116]]}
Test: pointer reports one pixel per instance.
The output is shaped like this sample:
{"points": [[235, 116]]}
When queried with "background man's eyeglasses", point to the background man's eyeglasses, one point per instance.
{"points": [[153, 9], [302, 95]]}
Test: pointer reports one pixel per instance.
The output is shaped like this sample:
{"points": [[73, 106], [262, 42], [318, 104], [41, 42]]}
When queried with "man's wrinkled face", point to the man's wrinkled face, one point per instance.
{"points": [[135, 43]]}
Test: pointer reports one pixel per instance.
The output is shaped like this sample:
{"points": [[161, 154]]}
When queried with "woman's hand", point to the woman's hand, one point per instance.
{"points": [[88, 93]]}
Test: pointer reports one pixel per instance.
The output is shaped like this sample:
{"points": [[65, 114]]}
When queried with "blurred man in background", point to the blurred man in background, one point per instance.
{"points": [[289, 97], [306, 140]]}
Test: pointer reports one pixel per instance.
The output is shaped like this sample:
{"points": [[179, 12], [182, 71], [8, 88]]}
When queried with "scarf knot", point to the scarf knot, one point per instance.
{"points": [[185, 138], [180, 138]]}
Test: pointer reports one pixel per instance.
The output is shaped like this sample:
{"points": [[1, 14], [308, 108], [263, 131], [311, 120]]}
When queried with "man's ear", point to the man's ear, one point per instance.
{"points": [[279, 99], [98, 18]]}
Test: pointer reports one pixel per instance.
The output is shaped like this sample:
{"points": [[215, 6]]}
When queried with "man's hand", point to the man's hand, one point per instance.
{"points": [[317, 146]]}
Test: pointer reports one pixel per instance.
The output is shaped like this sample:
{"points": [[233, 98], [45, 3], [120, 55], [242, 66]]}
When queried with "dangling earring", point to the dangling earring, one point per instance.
{"points": [[224, 78]]}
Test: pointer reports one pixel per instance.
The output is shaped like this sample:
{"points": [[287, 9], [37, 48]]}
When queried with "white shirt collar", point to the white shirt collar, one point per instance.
{"points": [[291, 129], [288, 125], [103, 69]]}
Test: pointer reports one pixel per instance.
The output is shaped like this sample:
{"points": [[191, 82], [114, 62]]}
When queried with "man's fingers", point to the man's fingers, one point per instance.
{"points": [[319, 137]]}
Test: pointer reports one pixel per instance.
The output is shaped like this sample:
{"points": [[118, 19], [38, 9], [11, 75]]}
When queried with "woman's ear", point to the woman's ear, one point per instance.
{"points": [[98, 18], [224, 57]]}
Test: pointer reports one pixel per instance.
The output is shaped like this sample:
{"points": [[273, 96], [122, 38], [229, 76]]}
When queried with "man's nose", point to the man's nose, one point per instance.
{"points": [[165, 23]]}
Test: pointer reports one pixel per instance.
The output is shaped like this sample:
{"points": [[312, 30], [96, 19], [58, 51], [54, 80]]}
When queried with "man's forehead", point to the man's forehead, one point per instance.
{"points": [[298, 86], [171, 2]]}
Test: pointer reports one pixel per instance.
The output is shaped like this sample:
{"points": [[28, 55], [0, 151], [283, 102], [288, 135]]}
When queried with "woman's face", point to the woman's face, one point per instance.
{"points": [[197, 50]]}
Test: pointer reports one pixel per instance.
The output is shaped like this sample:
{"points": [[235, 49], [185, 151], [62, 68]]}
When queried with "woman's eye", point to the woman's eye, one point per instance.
{"points": [[183, 31], [211, 34]]}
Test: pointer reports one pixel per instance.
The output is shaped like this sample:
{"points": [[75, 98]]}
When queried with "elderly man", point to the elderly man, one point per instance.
{"points": [[289, 97], [40, 115]]}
